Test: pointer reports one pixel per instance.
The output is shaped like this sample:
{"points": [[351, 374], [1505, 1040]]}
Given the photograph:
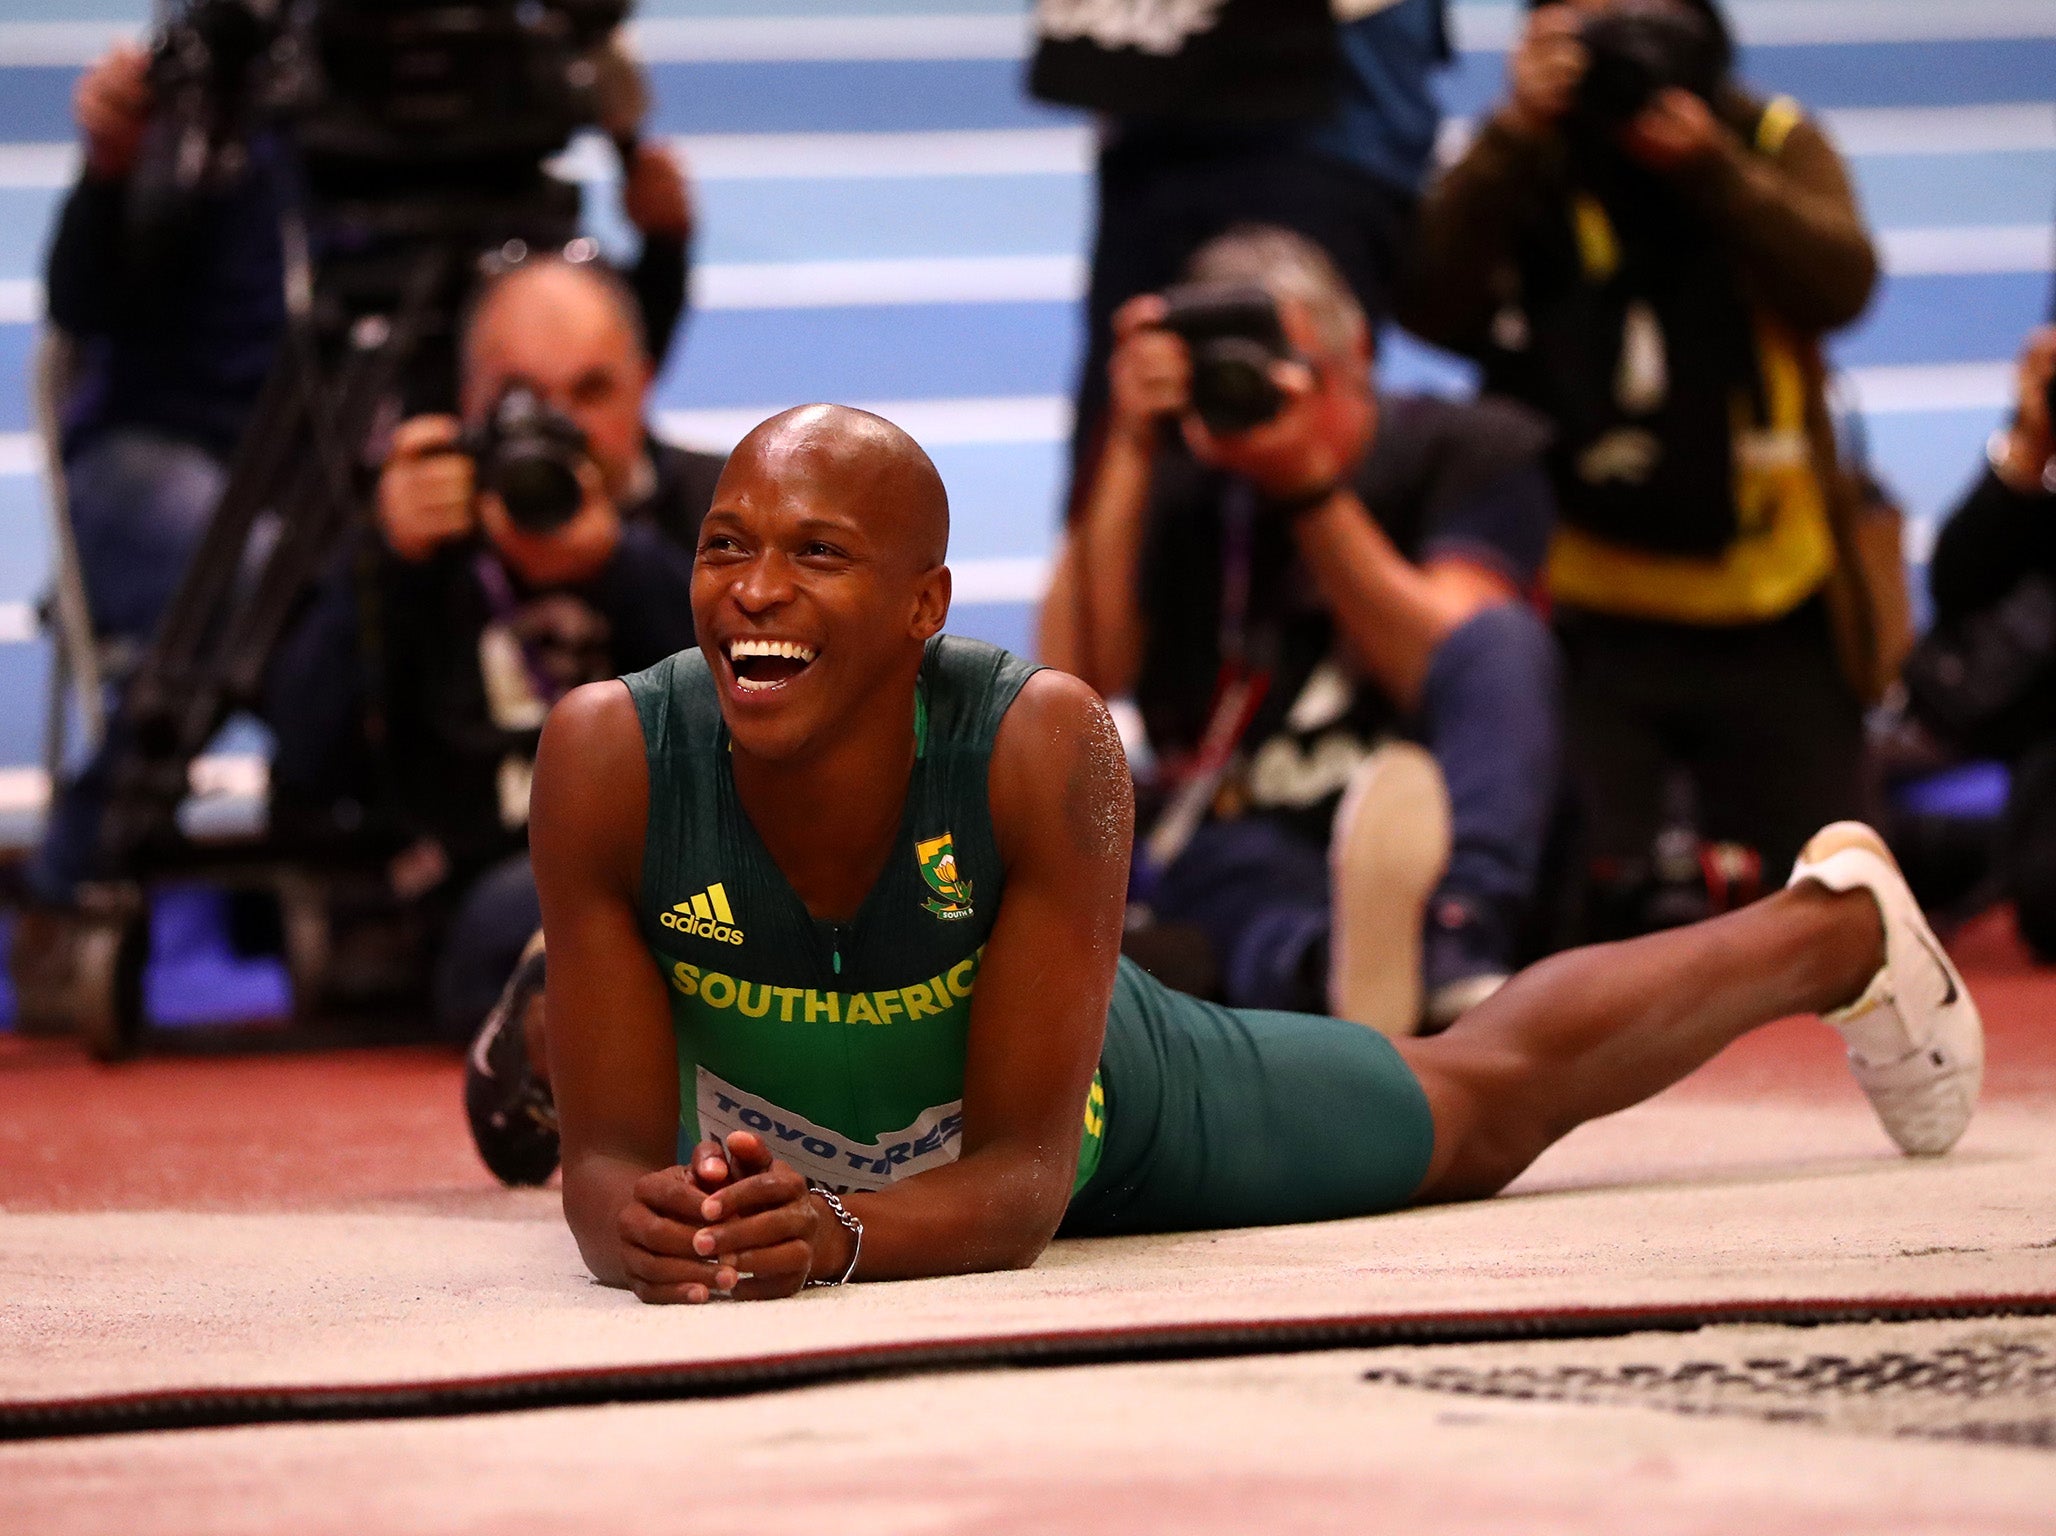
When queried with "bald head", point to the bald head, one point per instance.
{"points": [[585, 300], [864, 465]]}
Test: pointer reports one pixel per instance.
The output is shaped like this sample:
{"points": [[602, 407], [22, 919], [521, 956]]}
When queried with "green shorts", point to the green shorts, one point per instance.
{"points": [[1225, 1117]]}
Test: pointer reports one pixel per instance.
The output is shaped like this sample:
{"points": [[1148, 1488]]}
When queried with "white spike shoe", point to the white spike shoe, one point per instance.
{"points": [[1916, 1043]]}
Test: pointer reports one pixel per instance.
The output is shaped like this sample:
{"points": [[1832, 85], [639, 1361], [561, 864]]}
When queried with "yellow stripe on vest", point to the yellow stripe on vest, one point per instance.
{"points": [[1599, 252], [1776, 125]]}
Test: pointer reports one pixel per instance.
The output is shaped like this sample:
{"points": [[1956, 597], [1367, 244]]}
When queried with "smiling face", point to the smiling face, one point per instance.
{"points": [[819, 576]]}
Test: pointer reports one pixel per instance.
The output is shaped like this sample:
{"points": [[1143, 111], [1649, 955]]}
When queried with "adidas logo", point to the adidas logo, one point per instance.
{"points": [[705, 916]]}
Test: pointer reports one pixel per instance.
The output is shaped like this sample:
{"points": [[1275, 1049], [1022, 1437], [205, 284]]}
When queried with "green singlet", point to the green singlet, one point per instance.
{"points": [[843, 1044]]}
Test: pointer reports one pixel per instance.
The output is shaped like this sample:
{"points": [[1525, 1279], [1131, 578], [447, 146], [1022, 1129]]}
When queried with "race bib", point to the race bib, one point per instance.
{"points": [[828, 1157]]}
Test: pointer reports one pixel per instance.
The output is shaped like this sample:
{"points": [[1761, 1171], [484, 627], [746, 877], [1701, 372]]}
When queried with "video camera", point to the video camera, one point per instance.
{"points": [[381, 97], [1639, 48], [1235, 336], [406, 120]]}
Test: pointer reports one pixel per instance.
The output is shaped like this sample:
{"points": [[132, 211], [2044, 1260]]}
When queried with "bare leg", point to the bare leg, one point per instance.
{"points": [[1596, 1030]]}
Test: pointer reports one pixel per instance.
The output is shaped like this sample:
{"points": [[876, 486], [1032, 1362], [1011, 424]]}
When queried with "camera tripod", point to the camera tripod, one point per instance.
{"points": [[363, 334]]}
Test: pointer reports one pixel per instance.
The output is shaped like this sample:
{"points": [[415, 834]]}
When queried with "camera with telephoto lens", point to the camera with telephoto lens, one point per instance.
{"points": [[1639, 48], [529, 455], [1235, 336]]}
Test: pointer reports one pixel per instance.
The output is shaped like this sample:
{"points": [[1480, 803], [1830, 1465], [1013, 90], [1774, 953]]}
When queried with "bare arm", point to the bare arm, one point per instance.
{"points": [[1063, 811], [613, 1064], [1091, 623], [1064, 814], [1392, 614]]}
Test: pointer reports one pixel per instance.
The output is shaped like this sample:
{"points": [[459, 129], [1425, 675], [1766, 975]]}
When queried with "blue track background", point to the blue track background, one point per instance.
{"points": [[1950, 119]]}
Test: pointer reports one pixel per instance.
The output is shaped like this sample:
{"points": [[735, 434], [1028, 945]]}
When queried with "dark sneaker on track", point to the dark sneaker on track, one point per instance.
{"points": [[513, 1117]]}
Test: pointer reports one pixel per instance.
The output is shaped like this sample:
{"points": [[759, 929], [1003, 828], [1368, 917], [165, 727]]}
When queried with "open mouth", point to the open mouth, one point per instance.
{"points": [[761, 665]]}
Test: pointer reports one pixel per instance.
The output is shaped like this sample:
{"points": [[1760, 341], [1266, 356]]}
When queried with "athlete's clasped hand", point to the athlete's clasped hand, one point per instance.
{"points": [[735, 1222]]}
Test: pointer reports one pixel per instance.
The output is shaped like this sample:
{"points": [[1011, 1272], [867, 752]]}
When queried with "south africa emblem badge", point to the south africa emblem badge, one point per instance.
{"points": [[938, 861]]}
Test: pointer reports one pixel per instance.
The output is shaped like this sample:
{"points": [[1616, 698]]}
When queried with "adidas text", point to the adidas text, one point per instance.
{"points": [[702, 927]]}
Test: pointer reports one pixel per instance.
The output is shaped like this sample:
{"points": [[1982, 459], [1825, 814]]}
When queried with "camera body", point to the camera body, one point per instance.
{"points": [[1637, 49], [1235, 336], [529, 454]]}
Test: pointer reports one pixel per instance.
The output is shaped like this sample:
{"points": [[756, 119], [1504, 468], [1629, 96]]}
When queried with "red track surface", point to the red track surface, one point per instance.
{"points": [[342, 1127]]}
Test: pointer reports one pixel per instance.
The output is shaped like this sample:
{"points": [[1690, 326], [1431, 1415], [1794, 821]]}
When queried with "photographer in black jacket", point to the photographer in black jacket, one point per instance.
{"points": [[1985, 677], [481, 610]]}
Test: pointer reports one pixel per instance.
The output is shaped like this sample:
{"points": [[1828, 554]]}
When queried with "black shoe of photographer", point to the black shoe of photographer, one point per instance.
{"points": [[513, 1116]]}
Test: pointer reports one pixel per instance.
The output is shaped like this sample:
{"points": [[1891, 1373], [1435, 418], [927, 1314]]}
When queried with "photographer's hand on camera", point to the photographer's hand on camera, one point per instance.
{"points": [[1150, 373], [1308, 447], [1675, 131], [2023, 455], [426, 490], [1544, 71], [112, 104]]}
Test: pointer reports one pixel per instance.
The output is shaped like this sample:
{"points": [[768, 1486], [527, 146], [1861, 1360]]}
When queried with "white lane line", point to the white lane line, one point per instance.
{"points": [[937, 423], [1008, 579], [1991, 127], [947, 152], [1968, 249], [36, 166], [909, 280], [828, 39], [1772, 23], [1005, 419], [24, 791], [848, 156], [61, 42], [1892, 389], [1920, 252], [21, 300], [973, 36], [1994, 126], [21, 453], [1776, 23]]}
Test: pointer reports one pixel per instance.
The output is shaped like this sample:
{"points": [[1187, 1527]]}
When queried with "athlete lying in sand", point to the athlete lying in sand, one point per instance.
{"points": [[834, 907]]}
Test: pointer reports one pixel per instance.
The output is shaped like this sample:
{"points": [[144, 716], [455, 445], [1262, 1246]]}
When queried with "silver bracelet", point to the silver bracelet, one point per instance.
{"points": [[851, 1225]]}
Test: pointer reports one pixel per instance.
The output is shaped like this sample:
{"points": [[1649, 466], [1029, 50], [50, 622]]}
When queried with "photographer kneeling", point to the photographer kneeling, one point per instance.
{"points": [[543, 542], [1310, 569]]}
